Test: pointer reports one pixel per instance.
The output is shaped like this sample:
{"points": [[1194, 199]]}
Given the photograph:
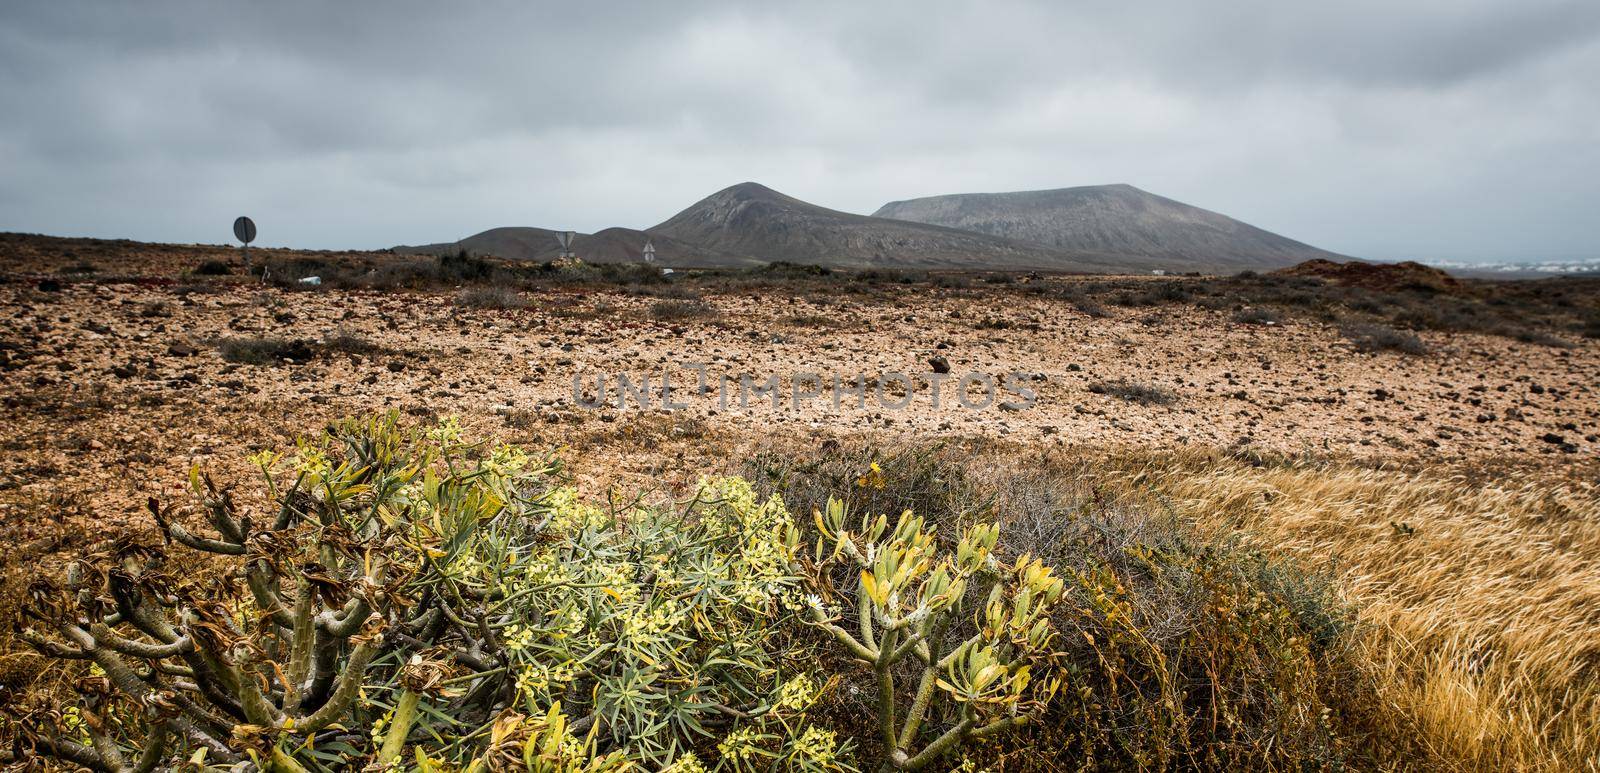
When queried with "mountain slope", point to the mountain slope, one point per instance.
{"points": [[612, 245], [752, 219], [1111, 218]]}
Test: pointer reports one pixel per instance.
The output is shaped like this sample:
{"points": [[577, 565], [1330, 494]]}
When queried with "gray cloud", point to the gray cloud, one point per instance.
{"points": [[1427, 128]]}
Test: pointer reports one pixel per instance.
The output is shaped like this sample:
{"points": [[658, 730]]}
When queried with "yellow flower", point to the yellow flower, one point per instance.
{"points": [[447, 431], [741, 744], [797, 694], [688, 763], [818, 746], [872, 479]]}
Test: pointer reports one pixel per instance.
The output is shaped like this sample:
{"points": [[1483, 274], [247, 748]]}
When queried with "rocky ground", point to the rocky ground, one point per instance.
{"points": [[117, 381]]}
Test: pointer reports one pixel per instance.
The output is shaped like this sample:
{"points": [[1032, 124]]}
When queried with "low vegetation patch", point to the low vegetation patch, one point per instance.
{"points": [[811, 320], [489, 297], [265, 350], [1257, 316], [415, 599], [347, 341], [682, 310], [1134, 392], [1378, 338]]}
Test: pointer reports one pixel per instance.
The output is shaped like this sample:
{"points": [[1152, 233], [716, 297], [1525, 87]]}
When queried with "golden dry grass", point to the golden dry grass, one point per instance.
{"points": [[1481, 595]]}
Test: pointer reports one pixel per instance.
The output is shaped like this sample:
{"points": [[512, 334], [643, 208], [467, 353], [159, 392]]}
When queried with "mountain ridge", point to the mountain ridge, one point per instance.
{"points": [[751, 218], [1107, 229], [1117, 217]]}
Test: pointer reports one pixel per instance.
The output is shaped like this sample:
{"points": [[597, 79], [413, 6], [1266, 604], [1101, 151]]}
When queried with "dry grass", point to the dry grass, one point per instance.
{"points": [[1482, 598]]}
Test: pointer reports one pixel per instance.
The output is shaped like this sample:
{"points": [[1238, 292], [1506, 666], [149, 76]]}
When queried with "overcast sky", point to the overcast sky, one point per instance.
{"points": [[1437, 129]]}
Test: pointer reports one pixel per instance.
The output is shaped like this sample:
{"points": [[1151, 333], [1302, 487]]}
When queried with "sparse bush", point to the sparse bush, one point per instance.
{"points": [[1154, 293], [349, 341], [678, 311], [810, 320], [1541, 338], [489, 297], [1378, 338], [213, 268], [463, 266], [1133, 392], [1091, 308], [1257, 316], [264, 351]]}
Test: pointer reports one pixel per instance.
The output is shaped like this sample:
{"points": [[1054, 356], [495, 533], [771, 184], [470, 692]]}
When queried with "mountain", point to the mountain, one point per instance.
{"points": [[752, 219], [1114, 219], [1101, 229], [612, 245]]}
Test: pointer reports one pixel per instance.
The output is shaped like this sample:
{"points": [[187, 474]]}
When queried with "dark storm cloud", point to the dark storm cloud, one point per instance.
{"points": [[1462, 128]]}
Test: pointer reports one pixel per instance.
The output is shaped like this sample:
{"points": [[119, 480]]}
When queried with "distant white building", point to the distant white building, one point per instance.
{"points": [[1158, 271]]}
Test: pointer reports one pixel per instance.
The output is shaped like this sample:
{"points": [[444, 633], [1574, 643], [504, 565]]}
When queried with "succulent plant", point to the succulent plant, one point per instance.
{"points": [[913, 603], [419, 601]]}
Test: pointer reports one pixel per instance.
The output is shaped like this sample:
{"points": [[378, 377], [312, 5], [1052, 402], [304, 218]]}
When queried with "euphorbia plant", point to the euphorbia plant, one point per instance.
{"points": [[409, 598], [913, 604]]}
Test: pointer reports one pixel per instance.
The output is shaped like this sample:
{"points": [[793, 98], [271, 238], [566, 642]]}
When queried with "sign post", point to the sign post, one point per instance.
{"points": [[245, 230]]}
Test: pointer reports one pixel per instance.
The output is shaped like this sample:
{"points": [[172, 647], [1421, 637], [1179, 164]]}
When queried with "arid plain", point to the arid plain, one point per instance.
{"points": [[1445, 480]]}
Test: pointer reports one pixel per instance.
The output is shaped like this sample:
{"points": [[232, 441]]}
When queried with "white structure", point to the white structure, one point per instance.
{"points": [[649, 251]]}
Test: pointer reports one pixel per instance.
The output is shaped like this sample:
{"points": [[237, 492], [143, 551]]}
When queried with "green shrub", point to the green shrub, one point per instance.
{"points": [[418, 598], [416, 601], [1175, 650], [908, 603]]}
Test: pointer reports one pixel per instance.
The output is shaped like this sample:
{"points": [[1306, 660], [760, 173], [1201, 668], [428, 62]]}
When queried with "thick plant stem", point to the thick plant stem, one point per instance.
{"points": [[405, 713], [919, 708], [280, 762], [885, 673], [303, 635], [344, 692], [925, 688], [942, 744]]}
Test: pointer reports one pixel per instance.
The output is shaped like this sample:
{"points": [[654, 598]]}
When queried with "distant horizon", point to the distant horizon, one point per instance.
{"points": [[1446, 263], [264, 240]]}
